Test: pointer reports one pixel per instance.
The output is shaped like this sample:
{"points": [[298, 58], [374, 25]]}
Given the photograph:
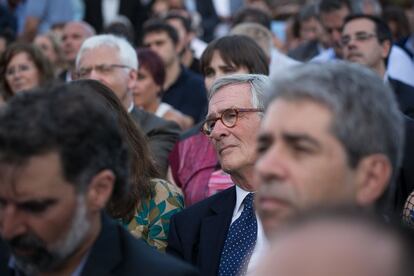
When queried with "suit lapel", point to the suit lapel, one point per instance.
{"points": [[106, 252], [214, 231]]}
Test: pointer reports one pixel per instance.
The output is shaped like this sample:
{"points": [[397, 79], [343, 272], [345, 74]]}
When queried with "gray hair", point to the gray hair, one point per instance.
{"points": [[127, 54], [259, 85], [366, 118]]}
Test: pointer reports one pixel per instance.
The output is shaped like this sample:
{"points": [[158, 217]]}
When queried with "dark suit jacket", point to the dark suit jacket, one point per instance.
{"points": [[162, 135], [117, 252], [197, 234], [405, 181], [305, 51], [405, 96], [134, 10]]}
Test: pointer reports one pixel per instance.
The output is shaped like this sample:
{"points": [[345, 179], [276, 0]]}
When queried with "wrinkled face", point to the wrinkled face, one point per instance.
{"points": [[362, 44], [44, 44], [163, 45], [22, 73], [146, 90], [42, 219], [333, 22], [235, 146], [310, 29], [73, 36], [300, 163], [332, 248], [218, 68], [104, 64]]}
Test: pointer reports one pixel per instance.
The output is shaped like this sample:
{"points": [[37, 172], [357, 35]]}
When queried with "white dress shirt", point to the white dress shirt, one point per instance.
{"points": [[261, 241]]}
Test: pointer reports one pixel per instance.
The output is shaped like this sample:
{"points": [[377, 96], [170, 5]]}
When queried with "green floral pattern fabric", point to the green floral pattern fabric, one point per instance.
{"points": [[152, 220]]}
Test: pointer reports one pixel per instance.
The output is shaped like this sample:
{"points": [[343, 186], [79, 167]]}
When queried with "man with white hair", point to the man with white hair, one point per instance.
{"points": [[113, 61]]}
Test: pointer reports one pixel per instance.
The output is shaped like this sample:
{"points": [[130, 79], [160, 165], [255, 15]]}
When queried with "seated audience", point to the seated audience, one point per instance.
{"points": [[194, 166], [148, 89], [62, 158], [151, 201], [22, 67]]}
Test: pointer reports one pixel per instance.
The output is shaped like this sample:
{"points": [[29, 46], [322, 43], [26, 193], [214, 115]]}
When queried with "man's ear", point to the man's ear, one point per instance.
{"points": [[374, 173], [386, 48], [100, 190], [132, 77]]}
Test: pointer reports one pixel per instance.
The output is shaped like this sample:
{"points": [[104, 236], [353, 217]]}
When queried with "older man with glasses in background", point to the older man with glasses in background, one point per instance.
{"points": [[221, 234], [114, 62]]}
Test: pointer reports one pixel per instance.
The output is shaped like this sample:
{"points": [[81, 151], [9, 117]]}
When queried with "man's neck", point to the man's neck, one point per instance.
{"points": [[244, 179], [173, 72], [380, 69], [187, 57]]}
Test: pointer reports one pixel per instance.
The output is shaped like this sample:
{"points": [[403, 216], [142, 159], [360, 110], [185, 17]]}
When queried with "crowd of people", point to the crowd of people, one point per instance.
{"points": [[203, 137]]}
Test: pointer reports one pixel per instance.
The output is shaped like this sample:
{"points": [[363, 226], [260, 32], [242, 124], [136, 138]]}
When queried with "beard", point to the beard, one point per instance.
{"points": [[43, 258]]}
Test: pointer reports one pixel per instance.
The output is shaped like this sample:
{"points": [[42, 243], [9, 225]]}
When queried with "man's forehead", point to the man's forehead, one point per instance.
{"points": [[231, 95], [156, 35], [75, 27], [102, 54], [37, 177], [301, 115], [359, 25]]}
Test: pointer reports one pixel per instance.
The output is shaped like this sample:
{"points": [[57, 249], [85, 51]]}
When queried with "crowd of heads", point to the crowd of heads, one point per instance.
{"points": [[320, 144]]}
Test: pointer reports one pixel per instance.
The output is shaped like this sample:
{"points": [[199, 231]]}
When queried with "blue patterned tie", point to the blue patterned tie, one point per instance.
{"points": [[240, 241]]}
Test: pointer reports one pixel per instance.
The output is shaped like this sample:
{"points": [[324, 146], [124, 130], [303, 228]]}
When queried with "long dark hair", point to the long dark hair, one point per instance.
{"points": [[142, 167]]}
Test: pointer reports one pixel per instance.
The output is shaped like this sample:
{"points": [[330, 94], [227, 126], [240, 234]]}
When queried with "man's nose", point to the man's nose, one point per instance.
{"points": [[219, 130], [271, 164], [94, 75]]}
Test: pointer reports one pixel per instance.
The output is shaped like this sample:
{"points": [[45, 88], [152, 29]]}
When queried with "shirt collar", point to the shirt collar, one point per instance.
{"points": [[131, 106], [240, 195]]}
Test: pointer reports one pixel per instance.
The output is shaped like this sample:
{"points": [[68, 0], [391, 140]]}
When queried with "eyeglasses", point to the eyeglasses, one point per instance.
{"points": [[84, 72], [229, 118], [360, 37], [18, 69]]}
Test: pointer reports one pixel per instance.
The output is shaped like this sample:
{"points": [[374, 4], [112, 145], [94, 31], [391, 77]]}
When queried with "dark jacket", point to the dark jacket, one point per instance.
{"points": [[162, 135], [117, 252], [197, 234]]}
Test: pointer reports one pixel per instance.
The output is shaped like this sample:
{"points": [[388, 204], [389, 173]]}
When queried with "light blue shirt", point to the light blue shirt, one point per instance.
{"points": [[50, 12]]}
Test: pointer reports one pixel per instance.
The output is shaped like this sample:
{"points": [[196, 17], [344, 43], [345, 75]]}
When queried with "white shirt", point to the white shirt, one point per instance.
{"points": [[280, 61], [261, 241], [110, 10], [400, 66]]}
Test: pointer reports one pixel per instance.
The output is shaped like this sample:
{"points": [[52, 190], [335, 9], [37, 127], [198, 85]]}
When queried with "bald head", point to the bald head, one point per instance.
{"points": [[73, 35]]}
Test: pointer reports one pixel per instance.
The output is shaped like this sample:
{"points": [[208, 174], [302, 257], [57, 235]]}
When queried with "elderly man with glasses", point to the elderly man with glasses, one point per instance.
{"points": [[114, 62], [222, 235]]}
